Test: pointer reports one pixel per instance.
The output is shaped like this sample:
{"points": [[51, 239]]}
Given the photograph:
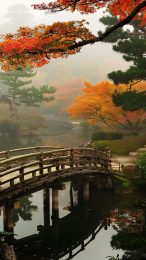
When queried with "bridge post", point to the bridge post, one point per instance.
{"points": [[95, 159], [41, 163], [37, 149], [71, 158], [70, 253], [21, 174], [109, 155], [8, 217], [84, 192], [57, 165], [82, 245], [86, 185], [62, 167], [71, 198], [55, 205], [46, 202], [7, 154]]}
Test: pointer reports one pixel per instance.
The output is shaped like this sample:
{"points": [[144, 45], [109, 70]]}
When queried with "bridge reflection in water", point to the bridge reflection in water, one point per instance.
{"points": [[60, 237]]}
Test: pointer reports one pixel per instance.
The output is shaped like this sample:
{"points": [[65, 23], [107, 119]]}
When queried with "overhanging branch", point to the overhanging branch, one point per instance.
{"points": [[121, 23], [99, 38]]}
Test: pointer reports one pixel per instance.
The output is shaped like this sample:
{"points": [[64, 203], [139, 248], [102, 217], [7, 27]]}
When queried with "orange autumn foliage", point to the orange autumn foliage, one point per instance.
{"points": [[35, 47], [96, 105]]}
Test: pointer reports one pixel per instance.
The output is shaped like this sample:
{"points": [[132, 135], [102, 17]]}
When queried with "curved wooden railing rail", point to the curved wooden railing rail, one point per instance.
{"points": [[26, 168], [21, 151]]}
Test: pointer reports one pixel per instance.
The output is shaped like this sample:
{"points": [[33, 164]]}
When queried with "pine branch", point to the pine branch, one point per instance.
{"points": [[95, 39]]}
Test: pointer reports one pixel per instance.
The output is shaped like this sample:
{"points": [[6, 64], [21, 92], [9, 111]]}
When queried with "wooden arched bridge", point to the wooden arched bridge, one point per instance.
{"points": [[26, 168]]}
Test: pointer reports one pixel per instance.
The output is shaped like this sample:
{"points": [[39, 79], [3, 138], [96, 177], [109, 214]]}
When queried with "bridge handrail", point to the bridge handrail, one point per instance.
{"points": [[17, 168], [20, 158], [31, 155], [8, 153], [55, 161]]}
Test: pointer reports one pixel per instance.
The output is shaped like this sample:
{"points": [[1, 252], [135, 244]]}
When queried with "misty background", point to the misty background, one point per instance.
{"points": [[92, 64]]}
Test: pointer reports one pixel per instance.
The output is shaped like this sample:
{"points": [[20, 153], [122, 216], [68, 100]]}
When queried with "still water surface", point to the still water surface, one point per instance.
{"points": [[75, 220]]}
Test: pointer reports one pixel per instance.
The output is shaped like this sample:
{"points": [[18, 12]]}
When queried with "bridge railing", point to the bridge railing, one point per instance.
{"points": [[21, 151], [33, 166]]}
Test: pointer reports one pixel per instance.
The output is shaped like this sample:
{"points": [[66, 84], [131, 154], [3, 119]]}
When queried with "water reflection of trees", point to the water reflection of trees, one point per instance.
{"points": [[131, 236], [59, 237], [26, 209]]}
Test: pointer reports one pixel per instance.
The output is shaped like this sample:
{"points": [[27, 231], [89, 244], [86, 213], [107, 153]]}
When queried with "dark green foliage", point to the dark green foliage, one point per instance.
{"points": [[106, 136], [108, 21], [132, 44], [26, 209], [130, 100], [123, 180], [126, 241], [132, 74], [141, 162], [14, 83], [32, 96], [133, 50]]}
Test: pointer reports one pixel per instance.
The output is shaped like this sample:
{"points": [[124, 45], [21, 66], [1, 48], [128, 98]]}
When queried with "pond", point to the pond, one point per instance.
{"points": [[74, 220]]}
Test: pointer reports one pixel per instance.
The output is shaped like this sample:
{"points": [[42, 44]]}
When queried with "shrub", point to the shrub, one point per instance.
{"points": [[106, 136], [141, 162], [101, 145]]}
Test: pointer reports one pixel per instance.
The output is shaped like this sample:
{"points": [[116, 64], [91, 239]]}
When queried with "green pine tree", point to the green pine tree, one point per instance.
{"points": [[132, 44], [16, 92]]}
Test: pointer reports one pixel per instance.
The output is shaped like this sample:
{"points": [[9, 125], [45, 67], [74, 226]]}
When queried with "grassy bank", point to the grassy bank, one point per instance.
{"points": [[125, 145]]}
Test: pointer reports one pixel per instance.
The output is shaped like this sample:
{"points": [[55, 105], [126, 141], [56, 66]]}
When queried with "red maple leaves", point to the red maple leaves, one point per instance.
{"points": [[35, 47]]}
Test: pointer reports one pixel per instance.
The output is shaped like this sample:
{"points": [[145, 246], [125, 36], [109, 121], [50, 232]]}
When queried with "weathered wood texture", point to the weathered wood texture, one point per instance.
{"points": [[30, 167], [21, 151]]}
